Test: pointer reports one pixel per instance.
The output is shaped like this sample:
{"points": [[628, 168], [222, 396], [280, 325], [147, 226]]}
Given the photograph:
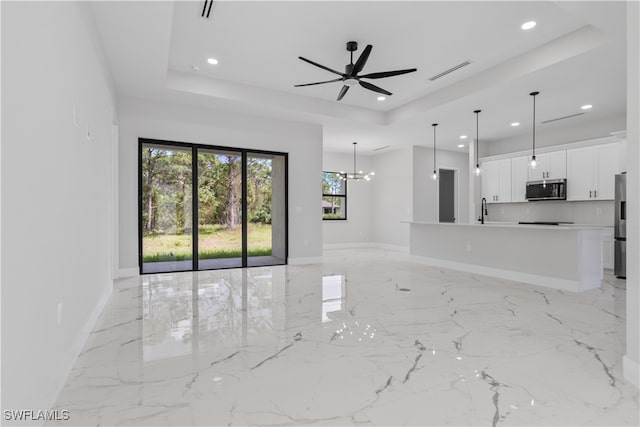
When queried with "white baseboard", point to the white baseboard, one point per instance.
{"points": [[398, 248], [128, 272], [330, 246], [533, 279], [304, 260], [631, 371], [81, 339]]}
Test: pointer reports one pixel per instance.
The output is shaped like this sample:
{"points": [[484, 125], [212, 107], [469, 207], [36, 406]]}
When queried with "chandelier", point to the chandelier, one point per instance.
{"points": [[356, 175]]}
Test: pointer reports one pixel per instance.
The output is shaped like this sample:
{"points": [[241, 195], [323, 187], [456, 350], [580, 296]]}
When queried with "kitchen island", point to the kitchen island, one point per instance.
{"points": [[556, 256]]}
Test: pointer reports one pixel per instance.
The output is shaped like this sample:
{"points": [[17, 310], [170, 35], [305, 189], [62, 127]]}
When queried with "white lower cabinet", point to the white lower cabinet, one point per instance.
{"points": [[607, 248]]}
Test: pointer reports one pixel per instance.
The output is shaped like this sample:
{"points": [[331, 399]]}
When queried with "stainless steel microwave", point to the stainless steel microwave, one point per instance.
{"points": [[550, 189]]}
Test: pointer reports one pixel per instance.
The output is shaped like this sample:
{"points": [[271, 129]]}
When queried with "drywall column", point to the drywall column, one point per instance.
{"points": [[278, 206], [631, 360]]}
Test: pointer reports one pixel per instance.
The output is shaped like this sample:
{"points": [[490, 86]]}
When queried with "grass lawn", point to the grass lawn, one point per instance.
{"points": [[214, 242]]}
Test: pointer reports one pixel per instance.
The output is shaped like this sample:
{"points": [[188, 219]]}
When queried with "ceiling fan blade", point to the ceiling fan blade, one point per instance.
{"points": [[319, 83], [343, 91], [374, 88], [362, 60], [384, 74], [320, 66]]}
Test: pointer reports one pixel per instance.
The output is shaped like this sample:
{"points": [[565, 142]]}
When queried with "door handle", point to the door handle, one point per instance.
{"points": [[589, 193], [595, 193]]}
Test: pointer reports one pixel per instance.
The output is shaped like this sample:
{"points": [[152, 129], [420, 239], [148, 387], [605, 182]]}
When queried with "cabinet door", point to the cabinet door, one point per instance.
{"points": [[580, 173], [504, 181], [519, 178], [537, 173], [557, 164], [607, 248], [489, 180], [607, 161]]}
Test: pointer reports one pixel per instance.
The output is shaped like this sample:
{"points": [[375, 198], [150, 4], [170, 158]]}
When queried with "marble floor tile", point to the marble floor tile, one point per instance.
{"points": [[367, 337]]}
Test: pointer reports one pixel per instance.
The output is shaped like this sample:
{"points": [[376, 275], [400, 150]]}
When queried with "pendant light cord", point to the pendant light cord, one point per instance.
{"points": [[477, 138], [534, 122], [434, 146], [534, 125], [354, 158]]}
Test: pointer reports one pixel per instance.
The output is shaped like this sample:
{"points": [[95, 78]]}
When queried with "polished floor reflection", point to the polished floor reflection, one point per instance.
{"points": [[368, 337]]}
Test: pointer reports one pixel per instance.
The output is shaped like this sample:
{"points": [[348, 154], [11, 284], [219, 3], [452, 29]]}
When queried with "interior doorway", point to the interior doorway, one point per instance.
{"points": [[447, 195]]}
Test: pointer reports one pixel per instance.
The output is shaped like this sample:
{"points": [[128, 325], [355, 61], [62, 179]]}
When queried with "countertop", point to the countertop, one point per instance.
{"points": [[511, 225]]}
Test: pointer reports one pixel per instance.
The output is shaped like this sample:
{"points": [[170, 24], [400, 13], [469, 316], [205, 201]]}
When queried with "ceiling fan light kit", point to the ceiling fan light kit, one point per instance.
{"points": [[351, 76]]}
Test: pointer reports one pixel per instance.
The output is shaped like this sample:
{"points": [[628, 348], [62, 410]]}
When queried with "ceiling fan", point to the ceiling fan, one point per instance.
{"points": [[350, 76]]}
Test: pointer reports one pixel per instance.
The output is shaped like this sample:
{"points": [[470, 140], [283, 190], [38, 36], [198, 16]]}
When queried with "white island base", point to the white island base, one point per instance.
{"points": [[560, 257]]}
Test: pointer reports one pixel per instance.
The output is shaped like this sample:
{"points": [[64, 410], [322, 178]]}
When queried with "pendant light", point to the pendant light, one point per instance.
{"points": [[477, 171], [435, 174], [356, 175], [533, 162]]}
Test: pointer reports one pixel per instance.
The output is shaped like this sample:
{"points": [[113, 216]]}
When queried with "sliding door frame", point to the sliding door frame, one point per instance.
{"points": [[244, 152]]}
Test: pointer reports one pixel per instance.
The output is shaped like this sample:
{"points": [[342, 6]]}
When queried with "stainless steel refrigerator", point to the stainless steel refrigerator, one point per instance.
{"points": [[620, 230]]}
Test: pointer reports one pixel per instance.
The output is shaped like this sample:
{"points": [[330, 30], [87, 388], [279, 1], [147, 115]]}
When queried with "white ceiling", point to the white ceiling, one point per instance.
{"points": [[575, 55]]}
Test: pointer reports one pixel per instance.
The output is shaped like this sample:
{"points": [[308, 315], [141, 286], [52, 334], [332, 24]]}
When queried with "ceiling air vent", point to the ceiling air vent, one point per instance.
{"points": [[450, 70], [381, 148], [205, 12], [561, 118]]}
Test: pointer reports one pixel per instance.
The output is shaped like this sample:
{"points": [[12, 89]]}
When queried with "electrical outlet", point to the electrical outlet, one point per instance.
{"points": [[598, 211], [306, 242], [59, 314], [468, 247], [298, 209]]}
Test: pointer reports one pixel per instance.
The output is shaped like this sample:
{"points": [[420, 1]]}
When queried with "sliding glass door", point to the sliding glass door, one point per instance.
{"points": [[266, 207], [219, 209], [166, 208], [237, 198]]}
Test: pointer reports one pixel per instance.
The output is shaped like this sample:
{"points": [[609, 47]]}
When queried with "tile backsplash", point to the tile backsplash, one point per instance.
{"points": [[592, 212]]}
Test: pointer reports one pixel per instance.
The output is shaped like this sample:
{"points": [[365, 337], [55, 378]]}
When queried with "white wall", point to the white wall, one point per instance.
{"points": [[558, 134], [632, 357], [425, 189], [392, 197], [56, 223], [358, 227], [593, 213], [173, 122]]}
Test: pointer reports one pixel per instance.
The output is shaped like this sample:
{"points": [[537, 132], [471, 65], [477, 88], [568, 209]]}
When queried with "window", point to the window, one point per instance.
{"points": [[334, 196]]}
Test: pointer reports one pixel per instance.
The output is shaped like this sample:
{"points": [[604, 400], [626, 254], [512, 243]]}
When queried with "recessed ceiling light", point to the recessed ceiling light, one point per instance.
{"points": [[514, 124], [195, 68], [460, 145], [587, 107], [463, 136], [212, 61], [528, 25], [382, 98]]}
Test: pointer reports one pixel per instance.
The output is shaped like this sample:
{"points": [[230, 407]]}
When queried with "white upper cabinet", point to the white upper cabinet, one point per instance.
{"points": [[496, 181], [519, 178], [549, 166], [608, 165], [591, 172]]}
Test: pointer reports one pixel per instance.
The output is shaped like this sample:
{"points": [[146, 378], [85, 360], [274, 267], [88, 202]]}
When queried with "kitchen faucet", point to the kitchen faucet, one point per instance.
{"points": [[483, 210]]}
